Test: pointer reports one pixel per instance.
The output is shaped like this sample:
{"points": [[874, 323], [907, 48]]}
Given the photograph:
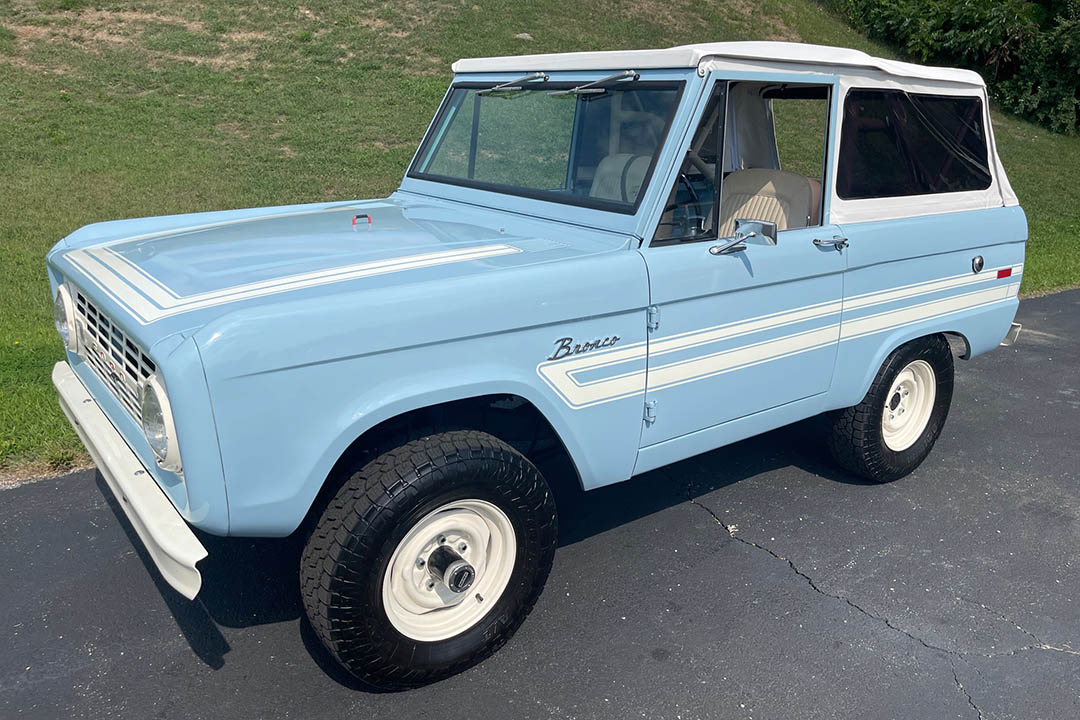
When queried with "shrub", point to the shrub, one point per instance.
{"points": [[1028, 52]]}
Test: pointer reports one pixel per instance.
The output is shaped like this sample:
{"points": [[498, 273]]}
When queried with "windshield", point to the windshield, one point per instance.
{"points": [[595, 149]]}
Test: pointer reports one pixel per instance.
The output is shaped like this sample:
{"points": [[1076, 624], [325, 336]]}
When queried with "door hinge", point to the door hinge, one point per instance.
{"points": [[650, 412], [653, 317]]}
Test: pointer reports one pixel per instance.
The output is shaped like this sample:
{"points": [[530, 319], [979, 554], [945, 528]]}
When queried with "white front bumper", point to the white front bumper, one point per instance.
{"points": [[167, 537]]}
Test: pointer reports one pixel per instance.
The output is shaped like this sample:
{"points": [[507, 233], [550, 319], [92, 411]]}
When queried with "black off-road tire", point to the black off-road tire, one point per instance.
{"points": [[345, 559], [855, 433]]}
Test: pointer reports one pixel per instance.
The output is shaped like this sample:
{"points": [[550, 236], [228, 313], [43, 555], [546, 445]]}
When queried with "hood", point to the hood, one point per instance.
{"points": [[155, 272]]}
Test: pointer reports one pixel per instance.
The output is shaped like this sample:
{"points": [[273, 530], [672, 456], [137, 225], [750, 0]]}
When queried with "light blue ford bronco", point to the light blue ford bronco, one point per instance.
{"points": [[622, 258]]}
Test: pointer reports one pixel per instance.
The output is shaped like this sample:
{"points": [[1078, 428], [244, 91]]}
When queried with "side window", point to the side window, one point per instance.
{"points": [[690, 210], [801, 128], [758, 154], [896, 144], [777, 137]]}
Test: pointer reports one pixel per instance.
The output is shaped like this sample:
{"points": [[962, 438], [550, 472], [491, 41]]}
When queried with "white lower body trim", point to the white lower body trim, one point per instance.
{"points": [[172, 545]]}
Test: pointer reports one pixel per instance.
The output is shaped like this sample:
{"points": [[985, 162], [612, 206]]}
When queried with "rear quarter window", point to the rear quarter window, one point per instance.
{"points": [[894, 144]]}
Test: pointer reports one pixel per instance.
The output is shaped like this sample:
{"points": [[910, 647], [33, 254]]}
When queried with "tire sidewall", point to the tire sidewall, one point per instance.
{"points": [[498, 480], [937, 353]]}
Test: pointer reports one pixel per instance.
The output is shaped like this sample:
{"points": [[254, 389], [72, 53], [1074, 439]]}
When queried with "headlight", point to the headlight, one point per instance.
{"points": [[157, 424], [64, 317]]}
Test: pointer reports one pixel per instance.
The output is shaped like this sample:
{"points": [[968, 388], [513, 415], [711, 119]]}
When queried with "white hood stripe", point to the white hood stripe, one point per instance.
{"points": [[149, 300]]}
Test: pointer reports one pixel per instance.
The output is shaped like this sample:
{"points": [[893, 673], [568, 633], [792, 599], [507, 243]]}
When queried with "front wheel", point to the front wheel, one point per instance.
{"points": [[893, 429], [429, 558]]}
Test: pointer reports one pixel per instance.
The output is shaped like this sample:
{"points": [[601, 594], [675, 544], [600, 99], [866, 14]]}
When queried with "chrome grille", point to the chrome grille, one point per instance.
{"points": [[120, 363]]}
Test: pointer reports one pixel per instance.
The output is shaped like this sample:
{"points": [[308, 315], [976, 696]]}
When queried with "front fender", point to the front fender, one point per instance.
{"points": [[431, 389], [295, 383]]}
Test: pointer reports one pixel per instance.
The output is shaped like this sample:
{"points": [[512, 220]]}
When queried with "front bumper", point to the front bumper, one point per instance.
{"points": [[172, 545]]}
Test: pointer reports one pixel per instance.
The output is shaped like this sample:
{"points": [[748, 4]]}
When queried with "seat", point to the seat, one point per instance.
{"points": [[815, 201], [636, 135], [784, 198], [619, 177]]}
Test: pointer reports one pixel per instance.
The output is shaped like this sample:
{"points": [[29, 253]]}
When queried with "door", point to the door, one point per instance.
{"points": [[752, 329]]}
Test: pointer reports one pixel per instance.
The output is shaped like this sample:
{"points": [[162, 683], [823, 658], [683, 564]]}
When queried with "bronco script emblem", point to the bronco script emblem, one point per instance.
{"points": [[565, 347]]}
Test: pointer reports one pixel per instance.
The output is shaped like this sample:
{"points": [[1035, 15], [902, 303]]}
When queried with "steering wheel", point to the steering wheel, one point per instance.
{"points": [[695, 199]]}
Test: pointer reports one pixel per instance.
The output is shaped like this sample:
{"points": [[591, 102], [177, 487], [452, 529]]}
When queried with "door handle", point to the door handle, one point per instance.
{"points": [[837, 242]]}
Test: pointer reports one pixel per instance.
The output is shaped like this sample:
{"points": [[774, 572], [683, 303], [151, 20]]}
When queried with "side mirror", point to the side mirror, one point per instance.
{"points": [[758, 231], [764, 231]]}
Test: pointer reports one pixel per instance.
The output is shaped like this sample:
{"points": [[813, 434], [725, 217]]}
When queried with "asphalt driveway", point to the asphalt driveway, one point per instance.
{"points": [[756, 581]]}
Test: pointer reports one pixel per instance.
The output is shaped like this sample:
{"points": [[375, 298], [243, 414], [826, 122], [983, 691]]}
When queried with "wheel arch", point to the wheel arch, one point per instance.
{"points": [[862, 372], [511, 413], [961, 339]]}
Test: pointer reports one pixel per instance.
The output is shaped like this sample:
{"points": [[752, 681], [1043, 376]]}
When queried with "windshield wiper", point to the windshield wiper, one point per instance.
{"points": [[516, 84], [597, 86]]}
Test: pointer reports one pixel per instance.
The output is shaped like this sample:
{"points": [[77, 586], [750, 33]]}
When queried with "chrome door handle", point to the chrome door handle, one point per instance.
{"points": [[837, 242]]}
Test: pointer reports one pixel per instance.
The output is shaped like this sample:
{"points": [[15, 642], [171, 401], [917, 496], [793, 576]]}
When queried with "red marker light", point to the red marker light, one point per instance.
{"points": [[1007, 272]]}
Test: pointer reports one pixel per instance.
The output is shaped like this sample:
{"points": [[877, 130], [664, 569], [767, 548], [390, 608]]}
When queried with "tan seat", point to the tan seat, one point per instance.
{"points": [[771, 195], [619, 177], [815, 201]]}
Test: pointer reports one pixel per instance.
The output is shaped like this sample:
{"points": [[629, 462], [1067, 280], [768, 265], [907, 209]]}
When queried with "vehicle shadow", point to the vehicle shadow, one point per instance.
{"points": [[249, 582], [584, 514], [192, 618]]}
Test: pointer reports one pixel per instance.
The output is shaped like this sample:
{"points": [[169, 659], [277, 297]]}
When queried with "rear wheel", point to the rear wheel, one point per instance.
{"points": [[893, 429], [429, 558]]}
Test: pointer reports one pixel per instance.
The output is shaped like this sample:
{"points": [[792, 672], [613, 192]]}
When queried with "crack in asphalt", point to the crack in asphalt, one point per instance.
{"points": [[732, 530], [954, 656], [1038, 644], [1004, 618], [970, 700]]}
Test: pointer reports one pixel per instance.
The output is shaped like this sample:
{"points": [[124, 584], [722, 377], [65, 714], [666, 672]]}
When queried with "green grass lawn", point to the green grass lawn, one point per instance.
{"points": [[127, 109]]}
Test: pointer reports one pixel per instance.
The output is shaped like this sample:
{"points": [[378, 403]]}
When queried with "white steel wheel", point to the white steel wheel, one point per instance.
{"points": [[908, 405], [427, 600]]}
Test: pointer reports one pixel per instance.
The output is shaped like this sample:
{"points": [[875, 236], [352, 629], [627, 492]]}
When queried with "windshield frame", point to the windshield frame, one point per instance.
{"points": [[679, 86]]}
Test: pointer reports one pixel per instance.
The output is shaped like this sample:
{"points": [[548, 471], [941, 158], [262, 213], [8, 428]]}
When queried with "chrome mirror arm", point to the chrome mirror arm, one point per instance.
{"points": [[735, 244], [745, 230]]}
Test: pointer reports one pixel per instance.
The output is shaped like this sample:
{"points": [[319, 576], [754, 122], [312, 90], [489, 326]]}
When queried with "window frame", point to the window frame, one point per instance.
{"points": [[826, 146], [722, 122], [425, 149], [827, 176], [986, 141], [827, 172]]}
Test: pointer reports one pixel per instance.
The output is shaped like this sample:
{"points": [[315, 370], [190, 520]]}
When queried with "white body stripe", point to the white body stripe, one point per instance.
{"points": [[926, 311], [924, 288], [149, 300], [694, 338], [718, 363], [563, 376]]}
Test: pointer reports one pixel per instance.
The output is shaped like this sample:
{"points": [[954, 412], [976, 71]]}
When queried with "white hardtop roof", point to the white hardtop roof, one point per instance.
{"points": [[690, 56]]}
